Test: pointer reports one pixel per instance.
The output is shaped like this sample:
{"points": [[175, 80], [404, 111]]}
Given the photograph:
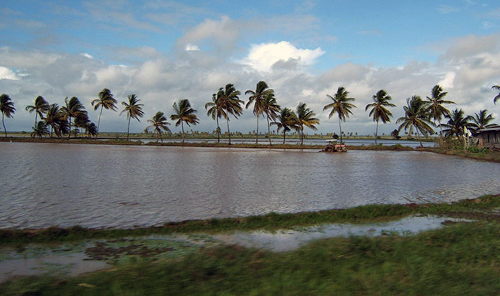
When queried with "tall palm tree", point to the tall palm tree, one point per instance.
{"points": [[305, 117], [287, 120], [482, 120], [256, 97], [457, 121], [184, 113], [434, 105], [270, 108], [7, 109], [416, 118], [40, 129], [158, 124], [106, 101], [229, 104], [340, 105], [379, 109], [215, 111], [41, 106], [497, 97], [56, 119], [133, 109], [73, 108]]}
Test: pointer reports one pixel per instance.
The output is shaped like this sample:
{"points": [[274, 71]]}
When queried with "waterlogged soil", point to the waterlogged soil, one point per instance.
{"points": [[71, 259]]}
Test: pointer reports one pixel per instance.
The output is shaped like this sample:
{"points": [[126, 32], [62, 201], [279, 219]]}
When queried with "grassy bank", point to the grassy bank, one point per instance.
{"points": [[476, 208], [461, 259]]}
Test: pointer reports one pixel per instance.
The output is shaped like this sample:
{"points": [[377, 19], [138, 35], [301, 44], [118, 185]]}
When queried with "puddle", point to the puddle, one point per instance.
{"points": [[92, 255], [287, 240]]}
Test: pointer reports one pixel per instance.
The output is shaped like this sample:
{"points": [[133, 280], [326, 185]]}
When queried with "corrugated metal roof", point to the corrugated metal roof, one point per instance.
{"points": [[492, 129]]}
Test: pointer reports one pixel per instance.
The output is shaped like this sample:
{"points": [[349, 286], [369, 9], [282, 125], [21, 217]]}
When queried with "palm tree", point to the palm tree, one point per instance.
{"points": [[158, 123], [230, 104], [91, 129], [40, 107], [434, 105], [214, 110], [270, 108], [256, 97], [287, 120], [457, 121], [482, 120], [497, 97], [73, 108], [55, 118], [7, 109], [379, 109], [106, 101], [40, 129], [184, 113], [341, 105], [305, 117], [133, 109], [416, 118]]}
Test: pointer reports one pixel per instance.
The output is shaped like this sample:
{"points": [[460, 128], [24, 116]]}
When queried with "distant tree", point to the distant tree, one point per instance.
{"points": [[497, 97], [481, 120], [457, 121], [214, 109], [133, 109], [286, 120], [340, 105], [305, 116], [72, 108], [395, 134], [91, 129], [270, 108], [106, 101], [56, 119], [379, 109], [40, 130], [158, 124], [7, 109], [434, 105], [416, 118], [40, 107], [230, 104], [184, 114], [256, 97]]}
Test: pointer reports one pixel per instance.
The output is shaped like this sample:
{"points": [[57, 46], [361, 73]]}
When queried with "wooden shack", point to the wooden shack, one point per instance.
{"points": [[489, 137]]}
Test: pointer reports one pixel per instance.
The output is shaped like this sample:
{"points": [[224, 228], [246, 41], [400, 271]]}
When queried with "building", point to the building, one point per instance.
{"points": [[489, 137]]}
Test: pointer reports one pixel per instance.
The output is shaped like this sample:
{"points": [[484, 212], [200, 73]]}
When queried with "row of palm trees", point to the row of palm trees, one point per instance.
{"points": [[420, 116]]}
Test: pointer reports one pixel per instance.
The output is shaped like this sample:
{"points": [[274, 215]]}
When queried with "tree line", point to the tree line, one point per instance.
{"points": [[420, 116]]}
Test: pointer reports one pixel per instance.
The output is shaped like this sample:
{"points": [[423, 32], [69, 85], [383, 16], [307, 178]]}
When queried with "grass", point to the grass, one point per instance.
{"points": [[461, 259]]}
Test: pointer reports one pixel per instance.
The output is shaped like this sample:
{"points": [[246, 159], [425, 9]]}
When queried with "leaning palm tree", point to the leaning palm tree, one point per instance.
{"points": [[73, 108], [305, 117], [379, 109], [158, 124], [340, 105], [230, 104], [91, 129], [106, 101], [256, 97], [416, 118], [41, 106], [40, 130], [482, 120], [133, 109], [184, 113], [56, 119], [457, 122], [497, 97], [7, 109], [286, 120], [270, 108], [215, 111], [434, 105]]}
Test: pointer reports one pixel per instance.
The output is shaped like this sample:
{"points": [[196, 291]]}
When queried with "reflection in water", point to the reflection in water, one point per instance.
{"points": [[126, 186]]}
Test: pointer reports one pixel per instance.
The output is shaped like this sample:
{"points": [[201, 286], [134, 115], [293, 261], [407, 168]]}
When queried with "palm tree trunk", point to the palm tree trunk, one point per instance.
{"points": [[69, 134], [3, 123], [376, 134], [284, 137], [128, 127], [182, 127], [269, 132], [228, 131], [98, 122], [218, 131], [340, 126], [257, 134], [301, 134]]}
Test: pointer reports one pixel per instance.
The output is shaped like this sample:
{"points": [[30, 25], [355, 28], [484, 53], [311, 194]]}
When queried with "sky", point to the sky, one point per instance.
{"points": [[165, 51]]}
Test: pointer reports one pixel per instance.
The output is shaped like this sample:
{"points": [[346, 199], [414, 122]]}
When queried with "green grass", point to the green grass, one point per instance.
{"points": [[461, 259]]}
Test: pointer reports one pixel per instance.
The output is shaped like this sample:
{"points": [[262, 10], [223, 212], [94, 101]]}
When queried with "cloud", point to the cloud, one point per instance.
{"points": [[263, 56], [446, 9], [8, 74]]}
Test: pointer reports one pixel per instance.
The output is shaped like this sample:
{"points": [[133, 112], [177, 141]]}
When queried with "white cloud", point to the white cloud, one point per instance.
{"points": [[8, 74], [263, 56], [191, 47]]}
